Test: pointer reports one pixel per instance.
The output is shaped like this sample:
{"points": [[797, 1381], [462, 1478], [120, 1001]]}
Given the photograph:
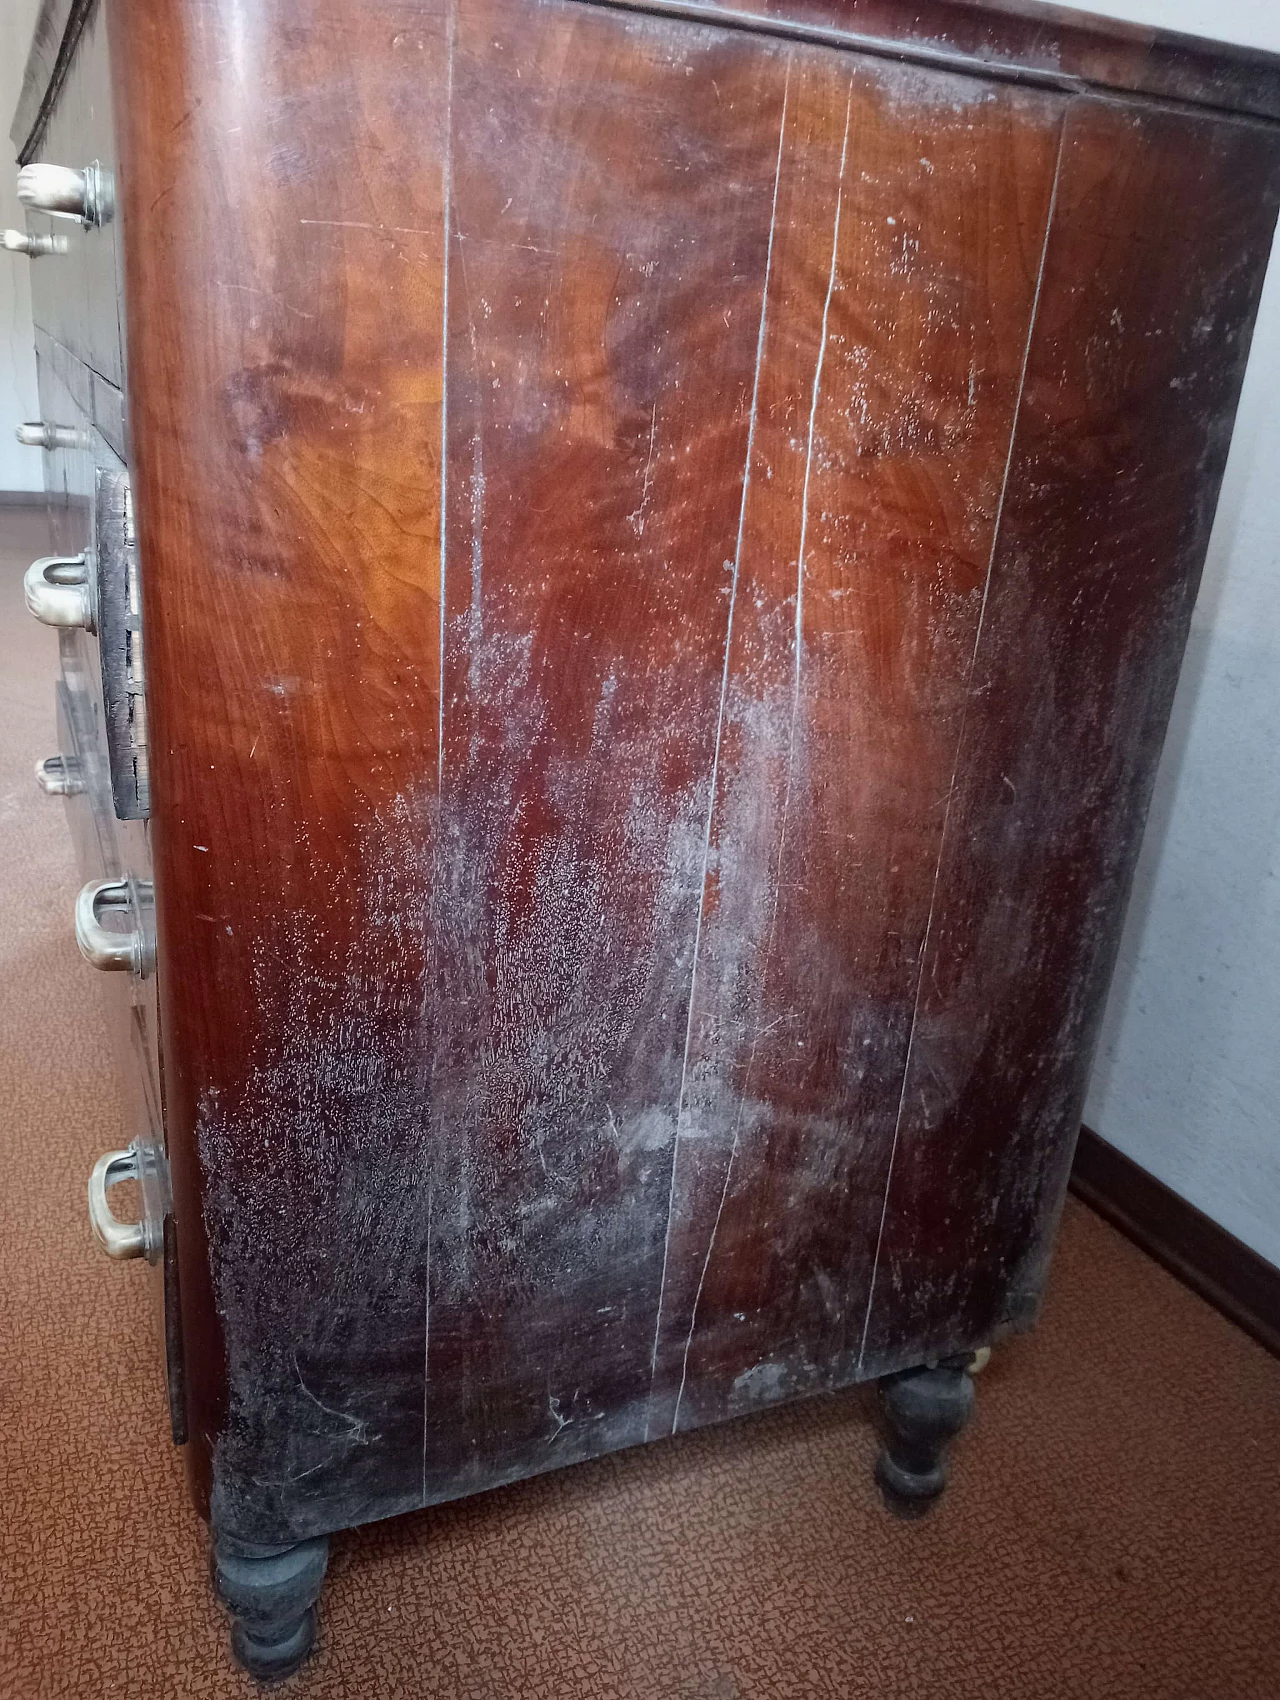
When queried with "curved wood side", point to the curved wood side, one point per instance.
{"points": [[283, 213], [663, 587], [1142, 335]]}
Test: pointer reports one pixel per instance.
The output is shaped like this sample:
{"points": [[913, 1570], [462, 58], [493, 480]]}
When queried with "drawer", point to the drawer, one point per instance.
{"points": [[96, 399], [91, 834], [106, 846], [107, 849], [91, 516], [69, 514], [75, 292]]}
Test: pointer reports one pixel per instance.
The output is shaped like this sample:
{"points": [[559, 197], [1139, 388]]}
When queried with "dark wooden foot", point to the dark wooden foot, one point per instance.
{"points": [[924, 1409], [271, 1593]]}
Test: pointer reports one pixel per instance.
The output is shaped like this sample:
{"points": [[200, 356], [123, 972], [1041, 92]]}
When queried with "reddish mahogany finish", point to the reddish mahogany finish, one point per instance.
{"points": [[667, 544]]}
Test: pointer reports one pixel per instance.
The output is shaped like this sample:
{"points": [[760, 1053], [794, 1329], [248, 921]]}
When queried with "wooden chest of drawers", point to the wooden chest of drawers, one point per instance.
{"points": [[664, 540]]}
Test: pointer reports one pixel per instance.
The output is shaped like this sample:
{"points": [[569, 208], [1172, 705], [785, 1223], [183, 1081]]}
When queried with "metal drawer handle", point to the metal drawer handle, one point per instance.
{"points": [[58, 591], [117, 1239], [118, 953], [59, 776]]}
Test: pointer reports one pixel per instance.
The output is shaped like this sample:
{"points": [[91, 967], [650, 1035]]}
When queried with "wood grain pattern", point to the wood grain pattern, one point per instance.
{"points": [[1022, 40], [286, 401], [605, 296], [1003, 37], [602, 585], [1131, 387], [904, 289]]}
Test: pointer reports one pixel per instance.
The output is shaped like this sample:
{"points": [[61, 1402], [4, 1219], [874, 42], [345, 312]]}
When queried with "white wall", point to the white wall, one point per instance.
{"points": [[20, 469], [1251, 23], [1187, 1080]]}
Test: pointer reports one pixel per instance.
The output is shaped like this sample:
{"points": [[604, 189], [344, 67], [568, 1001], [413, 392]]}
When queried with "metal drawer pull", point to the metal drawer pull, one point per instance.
{"points": [[114, 953], [58, 591], [59, 776], [117, 1239], [66, 193], [33, 243], [37, 434]]}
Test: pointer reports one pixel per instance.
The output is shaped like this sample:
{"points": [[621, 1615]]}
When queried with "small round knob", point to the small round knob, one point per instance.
{"points": [[29, 242], [37, 434], [54, 189]]}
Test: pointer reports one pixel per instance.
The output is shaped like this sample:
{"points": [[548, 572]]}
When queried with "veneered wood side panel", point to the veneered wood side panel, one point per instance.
{"points": [[449, 797], [902, 295], [612, 196], [750, 762], [283, 223], [1155, 262]]}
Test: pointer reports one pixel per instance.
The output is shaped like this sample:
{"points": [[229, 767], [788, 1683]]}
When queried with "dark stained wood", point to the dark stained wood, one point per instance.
{"points": [[1018, 39], [1001, 37], [605, 294], [285, 396], [1139, 350], [902, 301], [650, 713], [1223, 1270]]}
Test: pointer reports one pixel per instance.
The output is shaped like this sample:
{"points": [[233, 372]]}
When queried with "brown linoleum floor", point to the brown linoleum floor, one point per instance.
{"points": [[1113, 1528]]}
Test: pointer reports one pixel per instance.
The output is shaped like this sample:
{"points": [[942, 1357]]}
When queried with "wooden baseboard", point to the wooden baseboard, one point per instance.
{"points": [[1229, 1274]]}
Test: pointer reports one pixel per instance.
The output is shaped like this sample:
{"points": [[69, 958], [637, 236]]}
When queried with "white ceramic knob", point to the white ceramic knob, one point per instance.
{"points": [[28, 242], [36, 434], [55, 189]]}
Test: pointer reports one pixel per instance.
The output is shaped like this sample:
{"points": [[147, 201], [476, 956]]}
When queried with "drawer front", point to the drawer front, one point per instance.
{"points": [[95, 858], [110, 849], [107, 848], [75, 293]]}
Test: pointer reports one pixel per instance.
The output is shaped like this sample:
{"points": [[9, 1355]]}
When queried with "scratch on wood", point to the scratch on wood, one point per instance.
{"points": [[359, 1428], [795, 703], [637, 518], [715, 760], [475, 633], [447, 186], [364, 224], [426, 1339], [267, 295], [447, 174]]}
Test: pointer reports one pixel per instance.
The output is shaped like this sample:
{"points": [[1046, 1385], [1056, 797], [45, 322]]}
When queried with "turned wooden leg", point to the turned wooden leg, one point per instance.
{"points": [[271, 1593], [924, 1409]]}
